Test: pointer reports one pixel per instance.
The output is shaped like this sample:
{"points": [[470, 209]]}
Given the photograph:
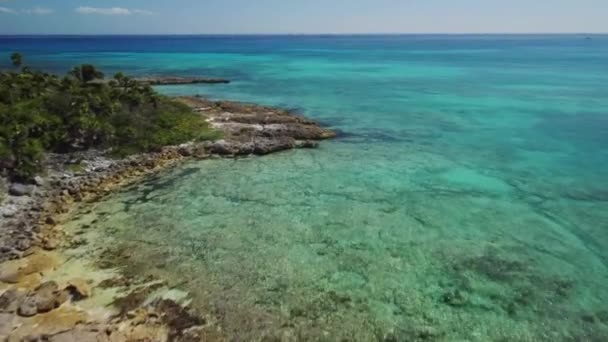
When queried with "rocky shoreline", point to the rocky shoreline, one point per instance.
{"points": [[170, 80], [181, 80], [33, 305]]}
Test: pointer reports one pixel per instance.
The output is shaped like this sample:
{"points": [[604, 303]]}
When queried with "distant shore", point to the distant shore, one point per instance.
{"points": [[32, 240], [171, 80]]}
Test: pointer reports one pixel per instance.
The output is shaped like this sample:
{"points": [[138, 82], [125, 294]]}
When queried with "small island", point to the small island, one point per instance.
{"points": [[77, 138]]}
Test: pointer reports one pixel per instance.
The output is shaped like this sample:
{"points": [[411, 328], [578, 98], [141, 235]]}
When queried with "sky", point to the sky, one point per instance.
{"points": [[301, 16]]}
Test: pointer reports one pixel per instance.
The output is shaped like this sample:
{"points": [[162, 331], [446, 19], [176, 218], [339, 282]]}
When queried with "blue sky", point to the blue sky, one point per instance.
{"points": [[301, 16]]}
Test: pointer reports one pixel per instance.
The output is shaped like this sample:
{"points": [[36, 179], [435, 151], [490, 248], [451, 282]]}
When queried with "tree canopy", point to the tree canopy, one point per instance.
{"points": [[17, 59], [40, 112]]}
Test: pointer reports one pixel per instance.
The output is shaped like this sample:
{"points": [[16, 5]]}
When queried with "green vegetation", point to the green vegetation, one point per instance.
{"points": [[40, 113], [17, 59]]}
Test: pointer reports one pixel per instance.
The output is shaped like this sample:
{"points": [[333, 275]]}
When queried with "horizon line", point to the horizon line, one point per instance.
{"points": [[308, 34]]}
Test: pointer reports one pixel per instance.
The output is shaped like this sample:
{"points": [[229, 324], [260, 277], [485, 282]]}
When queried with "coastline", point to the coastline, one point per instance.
{"points": [[36, 303]]}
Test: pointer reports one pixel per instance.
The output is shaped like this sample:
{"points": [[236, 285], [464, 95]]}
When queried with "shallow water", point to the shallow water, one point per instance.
{"points": [[466, 199]]}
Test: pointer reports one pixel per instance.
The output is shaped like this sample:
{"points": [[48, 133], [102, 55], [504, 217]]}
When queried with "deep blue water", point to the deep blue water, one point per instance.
{"points": [[466, 200]]}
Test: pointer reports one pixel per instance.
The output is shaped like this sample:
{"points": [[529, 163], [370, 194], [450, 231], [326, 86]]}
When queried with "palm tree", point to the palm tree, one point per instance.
{"points": [[86, 73], [89, 73], [76, 73], [150, 95], [17, 59]]}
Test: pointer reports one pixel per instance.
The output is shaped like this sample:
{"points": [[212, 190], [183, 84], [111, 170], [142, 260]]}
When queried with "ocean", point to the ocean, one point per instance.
{"points": [[466, 198]]}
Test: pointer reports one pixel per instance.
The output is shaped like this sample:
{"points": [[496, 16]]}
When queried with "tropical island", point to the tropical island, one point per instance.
{"points": [[77, 138]]}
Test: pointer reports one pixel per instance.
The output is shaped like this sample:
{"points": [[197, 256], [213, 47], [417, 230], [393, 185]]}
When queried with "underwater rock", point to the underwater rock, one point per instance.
{"points": [[79, 289], [413, 333], [493, 267], [177, 318], [307, 144], [455, 298], [45, 298], [14, 271], [80, 335], [114, 282], [426, 332], [589, 318], [134, 299], [43, 326]]}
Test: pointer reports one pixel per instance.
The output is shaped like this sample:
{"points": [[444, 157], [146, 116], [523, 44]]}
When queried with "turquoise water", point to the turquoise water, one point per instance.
{"points": [[466, 199]]}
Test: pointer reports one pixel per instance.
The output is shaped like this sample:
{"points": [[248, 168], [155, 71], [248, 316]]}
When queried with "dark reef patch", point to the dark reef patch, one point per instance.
{"points": [[524, 286], [588, 128], [367, 136], [493, 267]]}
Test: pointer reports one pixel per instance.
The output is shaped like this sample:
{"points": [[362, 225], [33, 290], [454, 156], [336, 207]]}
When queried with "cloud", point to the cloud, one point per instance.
{"points": [[104, 11], [7, 10], [39, 11], [33, 11], [142, 12], [111, 11]]}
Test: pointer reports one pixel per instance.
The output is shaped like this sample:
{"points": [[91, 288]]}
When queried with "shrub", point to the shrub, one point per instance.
{"points": [[43, 113]]}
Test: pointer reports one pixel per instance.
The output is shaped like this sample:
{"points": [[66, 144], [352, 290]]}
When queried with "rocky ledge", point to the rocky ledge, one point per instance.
{"points": [[254, 129], [170, 80], [30, 215]]}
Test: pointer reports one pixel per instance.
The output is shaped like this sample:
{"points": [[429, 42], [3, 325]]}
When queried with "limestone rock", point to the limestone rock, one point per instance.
{"points": [[267, 146], [39, 327], [28, 308], [45, 298], [186, 150], [9, 210], [17, 189], [307, 144], [11, 300], [82, 334], [6, 324], [79, 288], [39, 180], [223, 147]]}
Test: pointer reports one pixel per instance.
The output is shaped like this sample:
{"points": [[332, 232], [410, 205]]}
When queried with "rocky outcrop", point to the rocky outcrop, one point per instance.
{"points": [[169, 80], [30, 213], [45, 298], [250, 129]]}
